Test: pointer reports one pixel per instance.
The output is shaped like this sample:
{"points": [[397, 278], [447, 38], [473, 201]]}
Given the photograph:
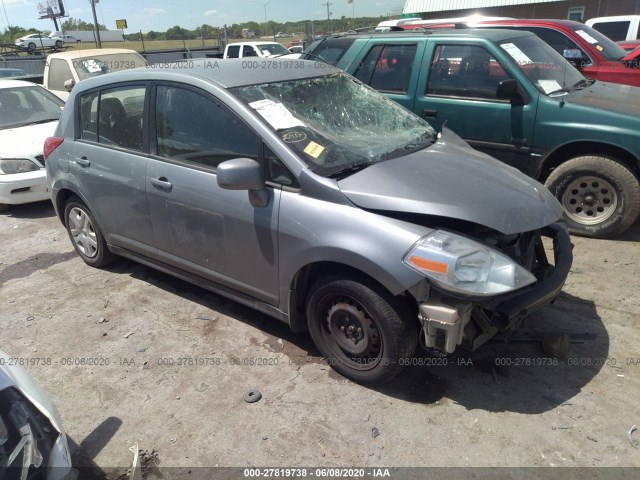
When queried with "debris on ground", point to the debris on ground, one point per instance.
{"points": [[252, 395]]}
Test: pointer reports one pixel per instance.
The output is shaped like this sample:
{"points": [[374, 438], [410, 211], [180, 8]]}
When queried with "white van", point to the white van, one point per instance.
{"points": [[618, 28]]}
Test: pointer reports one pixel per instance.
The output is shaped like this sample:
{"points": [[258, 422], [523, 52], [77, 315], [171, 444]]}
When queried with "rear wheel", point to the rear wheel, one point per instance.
{"points": [[85, 234], [362, 331], [58, 43], [600, 196], [3, 207], [31, 46]]}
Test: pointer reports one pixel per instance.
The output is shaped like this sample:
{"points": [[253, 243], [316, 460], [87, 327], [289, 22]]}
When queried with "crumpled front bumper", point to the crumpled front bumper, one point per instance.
{"points": [[448, 322]]}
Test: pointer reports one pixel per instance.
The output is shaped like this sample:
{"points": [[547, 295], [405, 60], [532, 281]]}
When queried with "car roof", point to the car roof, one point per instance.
{"points": [[226, 73], [90, 52], [6, 83], [497, 35], [266, 42], [529, 21]]}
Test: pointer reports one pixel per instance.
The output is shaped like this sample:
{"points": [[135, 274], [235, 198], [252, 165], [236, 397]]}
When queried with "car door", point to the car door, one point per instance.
{"points": [[108, 160], [199, 227], [391, 67], [457, 85]]}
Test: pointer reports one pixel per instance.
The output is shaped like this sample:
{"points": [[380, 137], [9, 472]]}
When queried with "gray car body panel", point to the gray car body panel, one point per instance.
{"points": [[407, 184], [320, 222]]}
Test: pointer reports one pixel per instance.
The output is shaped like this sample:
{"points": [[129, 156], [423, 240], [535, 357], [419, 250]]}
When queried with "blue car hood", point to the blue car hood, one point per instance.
{"points": [[450, 179]]}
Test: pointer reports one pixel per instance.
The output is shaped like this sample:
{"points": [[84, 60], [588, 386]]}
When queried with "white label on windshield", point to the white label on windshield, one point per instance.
{"points": [[92, 66], [549, 85], [517, 54], [587, 37], [276, 114]]}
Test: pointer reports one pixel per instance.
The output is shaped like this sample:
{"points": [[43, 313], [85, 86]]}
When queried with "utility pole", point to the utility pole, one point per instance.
{"points": [[328, 16], [95, 22]]}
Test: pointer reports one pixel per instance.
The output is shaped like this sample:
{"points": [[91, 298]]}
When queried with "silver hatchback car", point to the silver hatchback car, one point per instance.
{"points": [[293, 188]]}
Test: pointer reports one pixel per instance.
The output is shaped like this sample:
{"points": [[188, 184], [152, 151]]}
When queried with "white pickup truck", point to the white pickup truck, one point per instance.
{"points": [[63, 70], [254, 49]]}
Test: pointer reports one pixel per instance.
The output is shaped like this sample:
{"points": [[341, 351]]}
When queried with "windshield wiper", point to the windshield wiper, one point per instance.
{"points": [[350, 169], [580, 84], [37, 122]]}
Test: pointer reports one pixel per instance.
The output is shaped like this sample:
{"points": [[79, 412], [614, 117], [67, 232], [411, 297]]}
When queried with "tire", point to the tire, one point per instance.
{"points": [[3, 207], [58, 43], [386, 332], [31, 46], [85, 235], [600, 196]]}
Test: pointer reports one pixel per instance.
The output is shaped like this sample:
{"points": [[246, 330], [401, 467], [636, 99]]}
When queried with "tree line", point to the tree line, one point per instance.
{"points": [[205, 31]]}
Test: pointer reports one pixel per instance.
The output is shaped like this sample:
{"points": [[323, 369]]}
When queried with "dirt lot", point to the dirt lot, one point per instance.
{"points": [[135, 356]]}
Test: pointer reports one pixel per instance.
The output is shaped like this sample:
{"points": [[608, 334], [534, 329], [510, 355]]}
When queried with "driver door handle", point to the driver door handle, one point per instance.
{"points": [[162, 184], [83, 161]]}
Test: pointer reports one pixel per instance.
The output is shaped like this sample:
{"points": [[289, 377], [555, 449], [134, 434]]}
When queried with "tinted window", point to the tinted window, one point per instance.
{"points": [[249, 51], [464, 71], [616, 31], [388, 67], [191, 126], [233, 51], [114, 118], [330, 50]]}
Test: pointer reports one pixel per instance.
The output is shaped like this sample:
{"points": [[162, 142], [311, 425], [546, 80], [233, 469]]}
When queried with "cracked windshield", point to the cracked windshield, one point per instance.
{"points": [[336, 124]]}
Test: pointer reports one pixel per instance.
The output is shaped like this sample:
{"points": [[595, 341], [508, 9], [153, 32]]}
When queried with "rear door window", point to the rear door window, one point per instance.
{"points": [[388, 68]]}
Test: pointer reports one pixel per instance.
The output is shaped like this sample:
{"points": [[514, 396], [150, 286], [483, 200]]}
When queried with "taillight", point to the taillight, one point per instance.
{"points": [[50, 144]]}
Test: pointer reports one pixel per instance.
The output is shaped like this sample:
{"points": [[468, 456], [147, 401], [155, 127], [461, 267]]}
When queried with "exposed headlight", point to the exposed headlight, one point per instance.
{"points": [[17, 165], [459, 264]]}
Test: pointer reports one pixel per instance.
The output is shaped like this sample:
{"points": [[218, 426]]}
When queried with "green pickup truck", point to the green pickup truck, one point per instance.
{"points": [[509, 94]]}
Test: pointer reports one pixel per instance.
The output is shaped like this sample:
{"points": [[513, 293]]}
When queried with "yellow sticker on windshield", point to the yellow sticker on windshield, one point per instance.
{"points": [[313, 149], [599, 48]]}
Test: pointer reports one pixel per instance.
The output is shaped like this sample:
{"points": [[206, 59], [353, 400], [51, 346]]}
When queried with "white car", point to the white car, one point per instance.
{"points": [[28, 115], [38, 40], [64, 38]]}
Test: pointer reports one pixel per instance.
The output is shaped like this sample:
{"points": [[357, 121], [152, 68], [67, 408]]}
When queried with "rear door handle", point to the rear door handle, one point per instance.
{"points": [[83, 161], [162, 184], [430, 113]]}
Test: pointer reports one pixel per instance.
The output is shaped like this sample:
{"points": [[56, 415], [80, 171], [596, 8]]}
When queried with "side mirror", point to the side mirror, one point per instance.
{"points": [[244, 174], [573, 56], [508, 90], [69, 84]]}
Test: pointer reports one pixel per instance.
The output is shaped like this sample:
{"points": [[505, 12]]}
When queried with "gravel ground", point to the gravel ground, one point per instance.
{"points": [[133, 356]]}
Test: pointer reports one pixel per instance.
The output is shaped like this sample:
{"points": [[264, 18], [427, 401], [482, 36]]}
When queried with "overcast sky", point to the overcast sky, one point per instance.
{"points": [[159, 15]]}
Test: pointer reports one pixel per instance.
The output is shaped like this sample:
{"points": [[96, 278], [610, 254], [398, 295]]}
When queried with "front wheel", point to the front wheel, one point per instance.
{"points": [[85, 234], [31, 46], [58, 43], [362, 331], [600, 196]]}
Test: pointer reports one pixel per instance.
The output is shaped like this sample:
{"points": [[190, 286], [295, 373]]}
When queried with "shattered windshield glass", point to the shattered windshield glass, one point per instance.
{"points": [[336, 124], [546, 68]]}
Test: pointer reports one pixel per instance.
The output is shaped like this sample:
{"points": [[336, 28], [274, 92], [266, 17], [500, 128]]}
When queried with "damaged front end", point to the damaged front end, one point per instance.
{"points": [[32, 443], [467, 308]]}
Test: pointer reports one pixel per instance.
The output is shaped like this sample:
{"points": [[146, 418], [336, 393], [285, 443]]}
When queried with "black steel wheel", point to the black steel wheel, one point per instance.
{"points": [[85, 235], [600, 196], [362, 331]]}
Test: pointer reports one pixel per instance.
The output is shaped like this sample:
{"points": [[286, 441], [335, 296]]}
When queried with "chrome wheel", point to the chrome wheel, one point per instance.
{"points": [[589, 200], [83, 232]]}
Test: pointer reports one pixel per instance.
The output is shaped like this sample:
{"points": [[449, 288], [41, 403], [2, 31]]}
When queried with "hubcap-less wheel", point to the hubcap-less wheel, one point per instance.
{"points": [[354, 333], [589, 200], [83, 232]]}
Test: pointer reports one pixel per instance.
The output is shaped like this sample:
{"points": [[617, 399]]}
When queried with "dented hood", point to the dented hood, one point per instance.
{"points": [[450, 179]]}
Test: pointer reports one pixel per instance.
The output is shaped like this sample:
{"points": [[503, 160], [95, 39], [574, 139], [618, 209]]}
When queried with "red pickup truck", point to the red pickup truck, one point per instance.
{"points": [[595, 55]]}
